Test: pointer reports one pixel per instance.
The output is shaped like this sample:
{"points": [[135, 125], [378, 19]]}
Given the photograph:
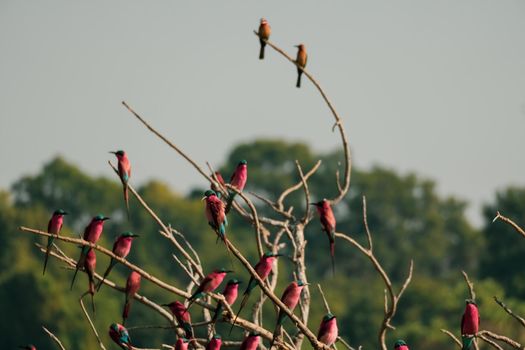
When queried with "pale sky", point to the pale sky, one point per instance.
{"points": [[434, 87]]}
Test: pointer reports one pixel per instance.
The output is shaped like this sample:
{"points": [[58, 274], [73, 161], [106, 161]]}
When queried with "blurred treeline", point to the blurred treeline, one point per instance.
{"points": [[407, 217]]}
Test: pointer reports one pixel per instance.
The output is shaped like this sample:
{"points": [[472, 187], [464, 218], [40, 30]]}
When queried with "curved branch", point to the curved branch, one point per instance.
{"points": [[54, 337], [510, 222], [520, 319]]}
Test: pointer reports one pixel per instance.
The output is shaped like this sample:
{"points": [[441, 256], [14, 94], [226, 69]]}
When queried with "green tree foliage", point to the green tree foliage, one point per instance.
{"points": [[407, 217]]}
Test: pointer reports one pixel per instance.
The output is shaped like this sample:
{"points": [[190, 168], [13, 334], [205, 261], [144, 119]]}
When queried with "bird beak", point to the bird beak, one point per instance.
{"points": [[307, 284], [228, 271], [165, 305], [313, 204], [134, 235], [65, 213], [277, 255], [203, 198], [113, 152], [105, 218]]}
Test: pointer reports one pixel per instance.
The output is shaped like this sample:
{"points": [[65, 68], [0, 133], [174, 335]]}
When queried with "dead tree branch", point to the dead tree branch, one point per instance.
{"points": [[54, 337], [510, 222]]}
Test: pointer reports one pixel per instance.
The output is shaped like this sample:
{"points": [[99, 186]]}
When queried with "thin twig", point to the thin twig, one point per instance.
{"points": [[326, 306], [510, 222], [489, 341], [470, 286], [54, 337], [502, 338], [367, 229], [297, 186], [91, 322], [345, 343], [454, 338], [306, 216], [520, 319]]}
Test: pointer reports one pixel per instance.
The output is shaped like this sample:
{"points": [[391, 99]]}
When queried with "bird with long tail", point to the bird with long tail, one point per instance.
{"points": [[301, 59], [237, 180], [251, 341], [326, 215], [263, 269], [215, 343], [121, 248], [401, 345], [290, 298], [208, 284], [119, 334], [328, 330], [124, 173], [92, 234], [182, 344], [230, 293], [264, 34], [182, 316], [469, 324], [90, 264], [132, 287], [215, 214], [53, 226]]}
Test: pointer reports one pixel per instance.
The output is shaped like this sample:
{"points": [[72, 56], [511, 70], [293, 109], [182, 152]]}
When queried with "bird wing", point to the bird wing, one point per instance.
{"points": [[323, 328], [287, 292], [462, 323], [49, 225], [217, 211]]}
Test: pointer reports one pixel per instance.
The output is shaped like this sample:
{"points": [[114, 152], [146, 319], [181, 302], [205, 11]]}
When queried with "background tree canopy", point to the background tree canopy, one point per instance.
{"points": [[406, 215]]}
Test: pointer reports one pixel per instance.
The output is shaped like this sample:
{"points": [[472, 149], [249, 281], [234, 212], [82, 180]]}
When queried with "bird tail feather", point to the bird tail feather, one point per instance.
{"points": [[111, 264], [126, 198], [243, 303], [48, 249], [261, 53], [299, 74]]}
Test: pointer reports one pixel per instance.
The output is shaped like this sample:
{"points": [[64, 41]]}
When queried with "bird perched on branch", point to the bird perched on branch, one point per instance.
{"points": [[264, 34], [290, 298], [92, 234], [301, 59], [215, 343], [230, 293], [209, 284], [53, 226], [326, 215], [182, 316], [328, 331], [400, 345], [124, 173], [119, 334], [251, 341], [469, 323], [121, 248], [263, 269], [182, 344], [237, 180], [132, 287], [215, 214], [90, 264]]}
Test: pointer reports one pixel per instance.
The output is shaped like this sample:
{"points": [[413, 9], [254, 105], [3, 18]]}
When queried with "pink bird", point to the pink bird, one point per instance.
{"points": [[264, 34], [230, 293], [328, 223], [92, 234], [263, 268], [238, 180], [209, 284], [182, 344], [53, 226], [124, 173], [183, 317], [132, 287], [215, 343], [90, 265], [251, 341], [400, 345], [119, 334], [301, 59], [469, 323], [121, 248], [328, 331], [290, 298]]}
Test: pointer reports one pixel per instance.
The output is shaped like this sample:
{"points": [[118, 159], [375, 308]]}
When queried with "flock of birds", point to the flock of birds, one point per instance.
{"points": [[216, 211]]}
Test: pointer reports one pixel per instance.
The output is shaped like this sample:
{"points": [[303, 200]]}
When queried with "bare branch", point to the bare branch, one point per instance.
{"points": [[306, 216], [454, 338], [326, 306], [502, 338], [520, 319], [489, 341], [470, 286], [367, 229], [297, 186], [510, 222], [54, 337], [91, 322]]}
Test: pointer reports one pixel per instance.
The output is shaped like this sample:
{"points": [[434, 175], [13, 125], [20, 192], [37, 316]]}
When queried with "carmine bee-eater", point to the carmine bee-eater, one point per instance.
{"points": [[469, 323], [182, 316], [251, 341], [328, 331], [230, 293], [27, 347], [208, 284], [217, 175], [328, 223], [132, 287], [121, 248], [120, 336], [400, 345], [92, 233], [215, 214], [54, 226], [215, 343], [301, 59], [90, 264], [182, 344], [263, 268], [238, 180], [124, 173], [290, 298], [264, 34]]}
